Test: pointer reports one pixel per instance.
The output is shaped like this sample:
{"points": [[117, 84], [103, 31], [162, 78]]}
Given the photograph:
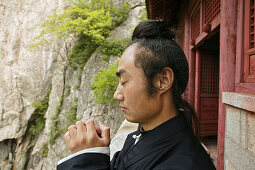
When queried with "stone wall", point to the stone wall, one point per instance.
{"points": [[239, 149], [26, 75]]}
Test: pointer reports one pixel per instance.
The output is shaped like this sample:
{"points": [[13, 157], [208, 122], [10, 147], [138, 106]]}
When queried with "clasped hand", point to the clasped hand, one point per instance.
{"points": [[87, 135]]}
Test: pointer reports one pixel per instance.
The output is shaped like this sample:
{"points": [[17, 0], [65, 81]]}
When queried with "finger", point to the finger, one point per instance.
{"points": [[81, 128], [67, 139], [83, 123], [72, 131], [99, 132], [105, 135], [91, 127]]}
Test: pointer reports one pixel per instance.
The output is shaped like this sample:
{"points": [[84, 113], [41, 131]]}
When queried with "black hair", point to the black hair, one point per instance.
{"points": [[155, 50]]}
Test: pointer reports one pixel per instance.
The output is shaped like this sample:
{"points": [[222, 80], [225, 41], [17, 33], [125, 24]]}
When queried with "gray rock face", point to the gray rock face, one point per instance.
{"points": [[110, 114], [26, 75]]}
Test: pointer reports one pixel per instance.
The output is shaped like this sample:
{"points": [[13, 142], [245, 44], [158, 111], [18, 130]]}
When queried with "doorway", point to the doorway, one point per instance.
{"points": [[208, 86], [207, 90]]}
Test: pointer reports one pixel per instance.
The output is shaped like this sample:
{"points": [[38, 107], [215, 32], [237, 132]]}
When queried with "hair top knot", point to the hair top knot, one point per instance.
{"points": [[153, 29]]}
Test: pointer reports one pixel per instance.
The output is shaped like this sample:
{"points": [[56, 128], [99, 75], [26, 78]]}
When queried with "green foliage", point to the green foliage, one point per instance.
{"points": [[38, 126], [81, 52], [105, 84], [119, 14], [114, 47], [89, 22], [144, 15], [41, 107], [55, 130], [68, 91], [78, 19], [71, 117], [79, 81], [45, 150], [38, 121]]}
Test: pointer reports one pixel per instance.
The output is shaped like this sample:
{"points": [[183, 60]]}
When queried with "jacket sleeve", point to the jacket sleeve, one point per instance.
{"points": [[88, 160], [91, 161]]}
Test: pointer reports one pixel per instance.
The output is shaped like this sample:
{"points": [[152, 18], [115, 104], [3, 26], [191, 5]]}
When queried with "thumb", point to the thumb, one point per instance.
{"points": [[105, 133]]}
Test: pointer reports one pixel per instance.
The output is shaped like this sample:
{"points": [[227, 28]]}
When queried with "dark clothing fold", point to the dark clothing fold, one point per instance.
{"points": [[170, 146]]}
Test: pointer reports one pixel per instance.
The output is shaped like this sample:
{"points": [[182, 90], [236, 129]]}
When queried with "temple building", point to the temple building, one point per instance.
{"points": [[217, 37]]}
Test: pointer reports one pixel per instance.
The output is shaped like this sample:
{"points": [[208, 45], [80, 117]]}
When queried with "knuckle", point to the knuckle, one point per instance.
{"points": [[66, 134], [90, 121], [71, 127], [107, 128]]}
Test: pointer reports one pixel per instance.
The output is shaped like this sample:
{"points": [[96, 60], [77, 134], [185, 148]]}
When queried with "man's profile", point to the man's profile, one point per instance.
{"points": [[153, 73]]}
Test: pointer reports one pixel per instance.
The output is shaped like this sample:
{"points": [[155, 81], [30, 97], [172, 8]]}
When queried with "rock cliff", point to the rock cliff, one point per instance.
{"points": [[27, 75]]}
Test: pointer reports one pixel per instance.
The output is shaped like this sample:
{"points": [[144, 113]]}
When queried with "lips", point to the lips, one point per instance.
{"points": [[123, 109]]}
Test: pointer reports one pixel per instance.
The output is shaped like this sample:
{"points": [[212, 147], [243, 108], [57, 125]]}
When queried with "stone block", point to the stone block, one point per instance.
{"points": [[239, 156], [243, 129], [251, 131], [228, 165], [240, 100], [233, 123]]}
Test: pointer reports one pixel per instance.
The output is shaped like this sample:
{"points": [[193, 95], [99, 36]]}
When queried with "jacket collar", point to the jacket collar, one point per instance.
{"points": [[154, 137]]}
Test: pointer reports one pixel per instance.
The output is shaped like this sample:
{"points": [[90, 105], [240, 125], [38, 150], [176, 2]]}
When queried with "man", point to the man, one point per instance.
{"points": [[153, 74]]}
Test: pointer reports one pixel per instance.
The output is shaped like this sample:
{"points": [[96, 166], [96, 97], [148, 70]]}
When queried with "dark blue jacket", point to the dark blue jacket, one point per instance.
{"points": [[170, 146]]}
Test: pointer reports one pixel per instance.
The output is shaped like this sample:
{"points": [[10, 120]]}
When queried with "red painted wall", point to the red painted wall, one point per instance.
{"points": [[231, 59], [227, 66]]}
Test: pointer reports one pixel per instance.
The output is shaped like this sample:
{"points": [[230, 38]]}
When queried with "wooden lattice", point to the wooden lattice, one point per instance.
{"points": [[195, 23], [209, 74], [249, 46], [251, 25], [211, 9]]}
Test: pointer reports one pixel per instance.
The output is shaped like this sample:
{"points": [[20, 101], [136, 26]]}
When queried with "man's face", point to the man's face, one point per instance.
{"points": [[132, 94]]}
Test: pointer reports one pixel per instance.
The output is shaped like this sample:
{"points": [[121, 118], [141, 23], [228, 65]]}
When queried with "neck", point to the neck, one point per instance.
{"points": [[166, 112], [153, 125]]}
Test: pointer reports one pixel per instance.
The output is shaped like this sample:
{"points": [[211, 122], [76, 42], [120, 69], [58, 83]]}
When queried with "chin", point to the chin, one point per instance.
{"points": [[130, 119]]}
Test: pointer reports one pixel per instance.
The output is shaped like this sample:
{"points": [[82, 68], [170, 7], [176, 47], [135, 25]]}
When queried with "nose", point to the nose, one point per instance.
{"points": [[118, 95]]}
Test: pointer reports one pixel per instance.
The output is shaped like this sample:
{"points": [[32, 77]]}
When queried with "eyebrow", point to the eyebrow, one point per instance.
{"points": [[120, 72]]}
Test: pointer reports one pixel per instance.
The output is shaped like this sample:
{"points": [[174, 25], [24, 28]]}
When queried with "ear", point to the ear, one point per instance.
{"points": [[164, 80]]}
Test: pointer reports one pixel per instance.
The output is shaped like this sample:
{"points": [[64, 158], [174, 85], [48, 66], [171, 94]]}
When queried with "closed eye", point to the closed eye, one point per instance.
{"points": [[123, 83]]}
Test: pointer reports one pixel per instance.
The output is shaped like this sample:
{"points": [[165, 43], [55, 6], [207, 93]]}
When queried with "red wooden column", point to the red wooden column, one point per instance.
{"points": [[227, 67], [191, 60], [192, 71], [197, 83]]}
